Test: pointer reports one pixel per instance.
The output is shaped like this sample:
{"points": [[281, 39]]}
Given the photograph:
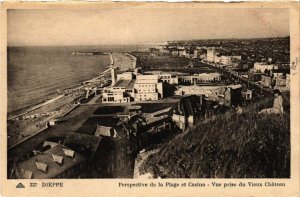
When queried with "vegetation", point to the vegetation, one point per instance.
{"points": [[231, 145]]}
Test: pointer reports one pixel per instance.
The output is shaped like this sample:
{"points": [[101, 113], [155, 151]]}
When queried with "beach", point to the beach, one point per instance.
{"points": [[27, 117]]}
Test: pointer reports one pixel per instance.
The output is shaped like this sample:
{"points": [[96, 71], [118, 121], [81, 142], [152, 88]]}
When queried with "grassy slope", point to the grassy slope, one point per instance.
{"points": [[232, 145]]}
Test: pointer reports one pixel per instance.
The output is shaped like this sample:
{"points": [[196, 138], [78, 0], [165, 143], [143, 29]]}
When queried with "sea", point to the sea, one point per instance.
{"points": [[39, 73]]}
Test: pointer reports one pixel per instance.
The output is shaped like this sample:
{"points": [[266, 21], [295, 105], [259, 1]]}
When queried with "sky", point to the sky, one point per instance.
{"points": [[142, 25]]}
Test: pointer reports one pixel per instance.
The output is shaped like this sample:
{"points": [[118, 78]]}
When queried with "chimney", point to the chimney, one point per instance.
{"points": [[113, 76], [113, 70]]}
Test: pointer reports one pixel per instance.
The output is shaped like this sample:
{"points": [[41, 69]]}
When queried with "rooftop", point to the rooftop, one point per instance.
{"points": [[237, 86], [87, 145], [157, 119], [50, 164], [125, 83]]}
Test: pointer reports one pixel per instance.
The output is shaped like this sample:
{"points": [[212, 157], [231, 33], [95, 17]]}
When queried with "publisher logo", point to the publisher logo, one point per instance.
{"points": [[20, 185]]}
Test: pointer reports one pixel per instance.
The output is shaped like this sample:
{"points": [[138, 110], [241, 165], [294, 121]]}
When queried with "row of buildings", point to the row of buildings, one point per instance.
{"points": [[210, 54], [109, 151], [149, 86], [179, 51], [268, 74], [213, 56], [251, 50]]}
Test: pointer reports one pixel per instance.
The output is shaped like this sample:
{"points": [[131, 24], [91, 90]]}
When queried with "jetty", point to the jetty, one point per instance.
{"points": [[88, 53]]}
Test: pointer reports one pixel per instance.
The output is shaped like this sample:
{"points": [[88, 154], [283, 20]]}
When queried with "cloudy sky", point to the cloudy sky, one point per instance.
{"points": [[139, 25]]}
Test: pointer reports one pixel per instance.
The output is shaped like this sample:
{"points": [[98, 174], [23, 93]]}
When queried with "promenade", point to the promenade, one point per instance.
{"points": [[34, 120]]}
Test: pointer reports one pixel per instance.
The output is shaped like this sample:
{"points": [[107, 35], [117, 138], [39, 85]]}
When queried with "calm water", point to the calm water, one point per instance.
{"points": [[36, 73]]}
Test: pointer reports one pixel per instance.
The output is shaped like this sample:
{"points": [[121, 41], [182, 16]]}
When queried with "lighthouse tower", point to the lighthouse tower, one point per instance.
{"points": [[113, 71]]}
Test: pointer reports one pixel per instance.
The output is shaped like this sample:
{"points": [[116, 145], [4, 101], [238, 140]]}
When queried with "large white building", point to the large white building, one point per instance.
{"points": [[121, 92], [261, 67], [208, 91], [229, 60], [167, 77], [130, 87], [148, 87], [198, 78], [212, 55]]}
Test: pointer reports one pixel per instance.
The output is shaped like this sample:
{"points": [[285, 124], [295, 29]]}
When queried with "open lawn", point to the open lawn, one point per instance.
{"points": [[172, 63], [163, 61]]}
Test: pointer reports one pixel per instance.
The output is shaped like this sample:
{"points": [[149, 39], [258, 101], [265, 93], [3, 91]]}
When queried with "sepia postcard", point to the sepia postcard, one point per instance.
{"points": [[149, 98]]}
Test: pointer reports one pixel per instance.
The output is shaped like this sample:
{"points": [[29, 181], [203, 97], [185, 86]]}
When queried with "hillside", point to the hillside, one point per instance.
{"points": [[232, 145]]}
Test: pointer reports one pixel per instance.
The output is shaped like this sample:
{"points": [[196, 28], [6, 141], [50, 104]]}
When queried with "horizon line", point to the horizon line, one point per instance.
{"points": [[140, 43]]}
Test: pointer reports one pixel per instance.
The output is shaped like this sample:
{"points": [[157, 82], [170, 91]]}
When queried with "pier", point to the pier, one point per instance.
{"points": [[88, 53]]}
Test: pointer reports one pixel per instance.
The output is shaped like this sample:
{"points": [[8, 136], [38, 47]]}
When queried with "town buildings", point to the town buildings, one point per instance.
{"points": [[188, 111], [212, 55], [121, 92], [121, 146], [167, 77], [230, 96], [130, 87], [266, 81], [262, 67], [57, 162], [208, 91], [128, 137], [148, 87], [200, 78], [230, 60]]}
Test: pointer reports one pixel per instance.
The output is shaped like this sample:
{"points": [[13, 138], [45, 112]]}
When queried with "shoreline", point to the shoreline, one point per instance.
{"points": [[76, 87], [32, 120]]}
